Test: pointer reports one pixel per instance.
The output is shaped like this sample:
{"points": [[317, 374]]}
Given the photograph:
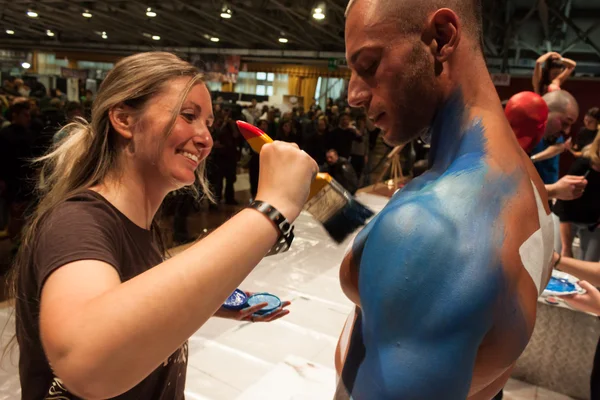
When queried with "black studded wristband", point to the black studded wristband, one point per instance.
{"points": [[285, 228]]}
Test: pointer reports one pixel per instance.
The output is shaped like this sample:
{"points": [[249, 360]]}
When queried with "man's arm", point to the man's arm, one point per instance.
{"points": [[569, 187], [550, 152], [424, 305]]}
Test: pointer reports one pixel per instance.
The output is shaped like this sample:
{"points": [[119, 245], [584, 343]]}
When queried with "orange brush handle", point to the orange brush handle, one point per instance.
{"points": [[257, 139]]}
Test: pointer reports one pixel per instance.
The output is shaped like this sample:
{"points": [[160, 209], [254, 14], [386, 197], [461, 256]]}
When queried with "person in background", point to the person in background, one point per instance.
{"points": [[580, 217], [317, 143], [224, 160], [17, 148], [287, 132], [343, 136], [589, 273], [527, 114], [73, 112], [273, 124], [8, 87], [359, 155], [254, 163], [341, 170], [254, 111], [588, 133], [551, 71], [563, 112], [308, 125], [333, 114]]}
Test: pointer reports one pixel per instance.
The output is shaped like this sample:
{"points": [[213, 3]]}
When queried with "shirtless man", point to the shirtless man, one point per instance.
{"points": [[446, 278]]}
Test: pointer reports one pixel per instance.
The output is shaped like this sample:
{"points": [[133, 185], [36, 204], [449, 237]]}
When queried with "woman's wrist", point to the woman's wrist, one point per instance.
{"points": [[557, 259]]}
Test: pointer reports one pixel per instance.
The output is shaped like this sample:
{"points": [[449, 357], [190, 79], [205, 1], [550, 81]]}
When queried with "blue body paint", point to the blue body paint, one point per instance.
{"points": [[560, 285], [430, 272]]}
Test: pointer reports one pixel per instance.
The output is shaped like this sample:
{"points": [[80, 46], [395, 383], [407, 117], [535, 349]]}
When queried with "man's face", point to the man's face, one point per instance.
{"points": [[590, 123], [331, 158], [253, 102], [335, 110], [560, 123], [345, 121], [393, 74], [322, 125]]}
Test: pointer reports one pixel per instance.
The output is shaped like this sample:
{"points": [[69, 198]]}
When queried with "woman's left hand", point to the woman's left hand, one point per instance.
{"points": [[246, 314], [588, 302]]}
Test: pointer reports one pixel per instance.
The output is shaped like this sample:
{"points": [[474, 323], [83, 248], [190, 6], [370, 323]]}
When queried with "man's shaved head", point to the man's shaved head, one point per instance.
{"points": [[564, 111], [411, 14], [407, 56], [560, 101]]}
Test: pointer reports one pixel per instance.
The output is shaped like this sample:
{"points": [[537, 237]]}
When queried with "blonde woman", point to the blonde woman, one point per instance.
{"points": [[580, 217], [100, 313]]}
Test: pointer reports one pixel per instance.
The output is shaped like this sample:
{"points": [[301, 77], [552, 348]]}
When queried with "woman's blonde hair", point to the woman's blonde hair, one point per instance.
{"points": [[592, 151], [87, 153]]}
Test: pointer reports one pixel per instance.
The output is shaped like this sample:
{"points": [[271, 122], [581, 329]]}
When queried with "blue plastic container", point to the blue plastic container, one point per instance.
{"points": [[236, 301], [273, 303]]}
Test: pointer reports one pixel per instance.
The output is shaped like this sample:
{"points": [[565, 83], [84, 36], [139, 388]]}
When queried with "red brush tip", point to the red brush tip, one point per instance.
{"points": [[249, 131]]}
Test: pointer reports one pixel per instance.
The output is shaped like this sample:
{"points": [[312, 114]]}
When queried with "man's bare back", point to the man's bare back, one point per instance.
{"points": [[445, 304]]}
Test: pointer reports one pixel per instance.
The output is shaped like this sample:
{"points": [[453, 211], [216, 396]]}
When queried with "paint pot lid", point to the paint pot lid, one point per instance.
{"points": [[236, 301], [273, 302]]}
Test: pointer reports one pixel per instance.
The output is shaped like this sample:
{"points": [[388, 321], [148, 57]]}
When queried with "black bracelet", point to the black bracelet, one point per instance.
{"points": [[557, 261], [285, 228]]}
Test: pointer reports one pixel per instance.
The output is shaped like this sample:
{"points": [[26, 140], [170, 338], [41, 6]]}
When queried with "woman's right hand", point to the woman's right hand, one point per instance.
{"points": [[286, 173]]}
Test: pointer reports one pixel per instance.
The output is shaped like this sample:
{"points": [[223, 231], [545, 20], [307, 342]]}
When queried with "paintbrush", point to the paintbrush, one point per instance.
{"points": [[328, 202]]}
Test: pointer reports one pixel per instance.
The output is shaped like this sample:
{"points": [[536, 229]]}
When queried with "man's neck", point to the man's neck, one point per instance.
{"points": [[471, 99], [130, 193]]}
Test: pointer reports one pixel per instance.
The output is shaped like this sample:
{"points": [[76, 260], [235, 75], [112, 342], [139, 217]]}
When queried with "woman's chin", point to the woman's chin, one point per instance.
{"points": [[184, 179]]}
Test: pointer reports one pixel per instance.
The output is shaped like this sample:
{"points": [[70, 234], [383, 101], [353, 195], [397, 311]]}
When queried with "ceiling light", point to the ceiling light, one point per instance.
{"points": [[10, 32], [49, 33], [104, 35], [319, 12], [226, 12], [86, 14], [283, 40], [155, 37], [214, 39], [32, 14], [26, 65], [150, 13]]}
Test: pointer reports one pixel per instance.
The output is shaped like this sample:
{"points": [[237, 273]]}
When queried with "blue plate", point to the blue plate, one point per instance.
{"points": [[273, 303], [236, 301]]}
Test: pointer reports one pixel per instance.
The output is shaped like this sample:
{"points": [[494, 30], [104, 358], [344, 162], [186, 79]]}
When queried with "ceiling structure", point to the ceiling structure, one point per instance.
{"points": [[516, 32]]}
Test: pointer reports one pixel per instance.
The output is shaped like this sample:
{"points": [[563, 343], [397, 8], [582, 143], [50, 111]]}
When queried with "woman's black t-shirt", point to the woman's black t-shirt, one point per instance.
{"points": [[86, 227]]}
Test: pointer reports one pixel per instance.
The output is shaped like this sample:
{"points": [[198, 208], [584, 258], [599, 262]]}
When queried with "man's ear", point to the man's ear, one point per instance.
{"points": [[444, 33], [122, 119]]}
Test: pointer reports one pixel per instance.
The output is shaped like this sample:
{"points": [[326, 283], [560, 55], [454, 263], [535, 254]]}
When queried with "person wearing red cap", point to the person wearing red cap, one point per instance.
{"points": [[528, 114]]}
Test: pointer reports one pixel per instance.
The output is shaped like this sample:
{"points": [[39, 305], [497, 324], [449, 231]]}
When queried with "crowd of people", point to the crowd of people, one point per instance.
{"points": [[29, 120]]}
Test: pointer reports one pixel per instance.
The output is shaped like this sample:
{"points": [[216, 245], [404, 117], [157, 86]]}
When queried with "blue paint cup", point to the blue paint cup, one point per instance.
{"points": [[236, 301], [273, 303]]}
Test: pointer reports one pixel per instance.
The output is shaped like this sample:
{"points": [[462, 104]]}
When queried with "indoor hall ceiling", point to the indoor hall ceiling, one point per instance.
{"points": [[255, 24], [516, 32]]}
